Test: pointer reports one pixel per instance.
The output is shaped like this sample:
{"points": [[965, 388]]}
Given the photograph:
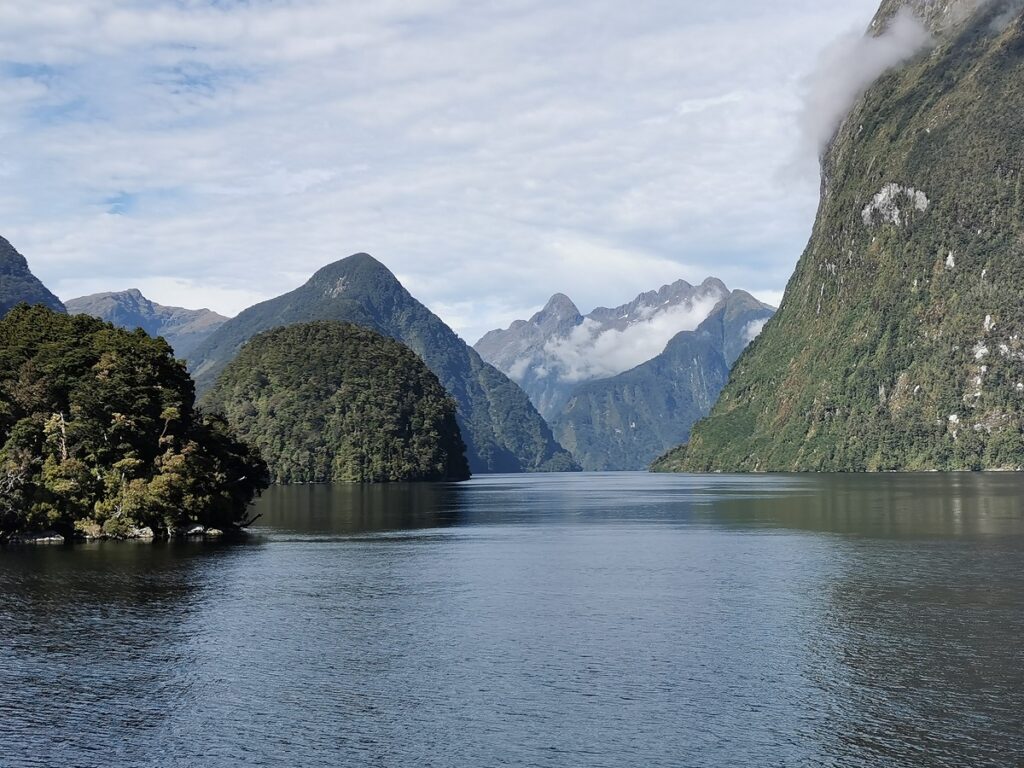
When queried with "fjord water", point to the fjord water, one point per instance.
{"points": [[561, 620]]}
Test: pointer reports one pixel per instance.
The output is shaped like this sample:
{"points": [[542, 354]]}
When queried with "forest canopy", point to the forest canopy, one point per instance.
{"points": [[335, 402], [99, 435]]}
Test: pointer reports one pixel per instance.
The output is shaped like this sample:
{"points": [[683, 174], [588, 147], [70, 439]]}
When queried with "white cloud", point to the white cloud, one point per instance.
{"points": [[491, 153], [771, 298], [592, 351], [753, 329], [848, 67]]}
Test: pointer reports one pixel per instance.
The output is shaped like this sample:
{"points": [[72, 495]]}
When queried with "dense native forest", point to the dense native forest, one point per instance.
{"points": [[99, 436], [335, 402]]}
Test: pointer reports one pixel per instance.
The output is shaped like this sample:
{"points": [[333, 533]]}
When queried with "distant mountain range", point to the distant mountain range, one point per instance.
{"points": [[621, 386], [627, 421], [18, 284], [502, 429], [618, 386], [182, 328], [559, 348]]}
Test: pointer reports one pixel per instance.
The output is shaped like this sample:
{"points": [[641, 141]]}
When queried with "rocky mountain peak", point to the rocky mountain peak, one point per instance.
{"points": [[559, 306], [358, 266], [560, 315]]}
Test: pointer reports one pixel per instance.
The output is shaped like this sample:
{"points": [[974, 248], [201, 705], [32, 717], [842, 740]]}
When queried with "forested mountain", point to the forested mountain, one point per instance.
{"points": [[98, 434], [627, 421], [182, 328], [559, 348], [900, 341], [18, 284], [334, 402], [502, 430]]}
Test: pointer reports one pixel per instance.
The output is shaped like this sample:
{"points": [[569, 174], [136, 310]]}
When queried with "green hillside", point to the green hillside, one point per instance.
{"points": [[334, 402], [898, 345], [502, 430]]}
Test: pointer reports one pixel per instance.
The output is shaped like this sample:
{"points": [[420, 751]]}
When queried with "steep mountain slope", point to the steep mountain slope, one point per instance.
{"points": [[334, 402], [502, 430], [627, 421], [899, 342], [558, 348], [18, 284], [183, 329]]}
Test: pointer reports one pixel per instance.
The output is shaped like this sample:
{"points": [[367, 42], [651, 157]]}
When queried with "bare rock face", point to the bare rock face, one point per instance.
{"points": [[938, 15]]}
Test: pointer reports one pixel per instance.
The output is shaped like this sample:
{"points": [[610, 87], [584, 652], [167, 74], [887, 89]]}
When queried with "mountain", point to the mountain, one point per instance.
{"points": [[18, 284], [899, 344], [558, 348], [502, 430], [183, 329], [627, 421], [334, 402]]}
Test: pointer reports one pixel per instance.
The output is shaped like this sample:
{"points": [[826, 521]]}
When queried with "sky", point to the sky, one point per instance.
{"points": [[215, 153]]}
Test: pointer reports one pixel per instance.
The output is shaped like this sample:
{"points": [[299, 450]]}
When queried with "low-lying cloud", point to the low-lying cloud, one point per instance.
{"points": [[848, 67], [753, 329], [593, 351]]}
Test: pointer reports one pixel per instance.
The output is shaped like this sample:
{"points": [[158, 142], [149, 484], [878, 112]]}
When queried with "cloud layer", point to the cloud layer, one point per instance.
{"points": [[592, 351], [848, 66], [490, 153]]}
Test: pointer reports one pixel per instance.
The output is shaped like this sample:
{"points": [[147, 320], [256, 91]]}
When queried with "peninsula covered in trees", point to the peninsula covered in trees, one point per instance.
{"points": [[99, 436], [334, 402]]}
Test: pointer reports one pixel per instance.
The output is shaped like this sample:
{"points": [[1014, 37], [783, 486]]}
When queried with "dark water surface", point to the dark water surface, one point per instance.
{"points": [[587, 620]]}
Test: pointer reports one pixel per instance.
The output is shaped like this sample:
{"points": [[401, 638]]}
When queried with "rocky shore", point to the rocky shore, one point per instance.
{"points": [[132, 534]]}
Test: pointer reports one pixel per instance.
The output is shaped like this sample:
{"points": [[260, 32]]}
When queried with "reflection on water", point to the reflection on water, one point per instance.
{"points": [[891, 506], [356, 509], [571, 620]]}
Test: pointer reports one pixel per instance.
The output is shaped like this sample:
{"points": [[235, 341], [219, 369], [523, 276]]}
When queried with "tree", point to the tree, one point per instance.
{"points": [[98, 430]]}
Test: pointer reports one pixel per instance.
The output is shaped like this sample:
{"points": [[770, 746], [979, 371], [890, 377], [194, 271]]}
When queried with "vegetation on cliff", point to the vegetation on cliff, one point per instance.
{"points": [[98, 435], [899, 344], [334, 402]]}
